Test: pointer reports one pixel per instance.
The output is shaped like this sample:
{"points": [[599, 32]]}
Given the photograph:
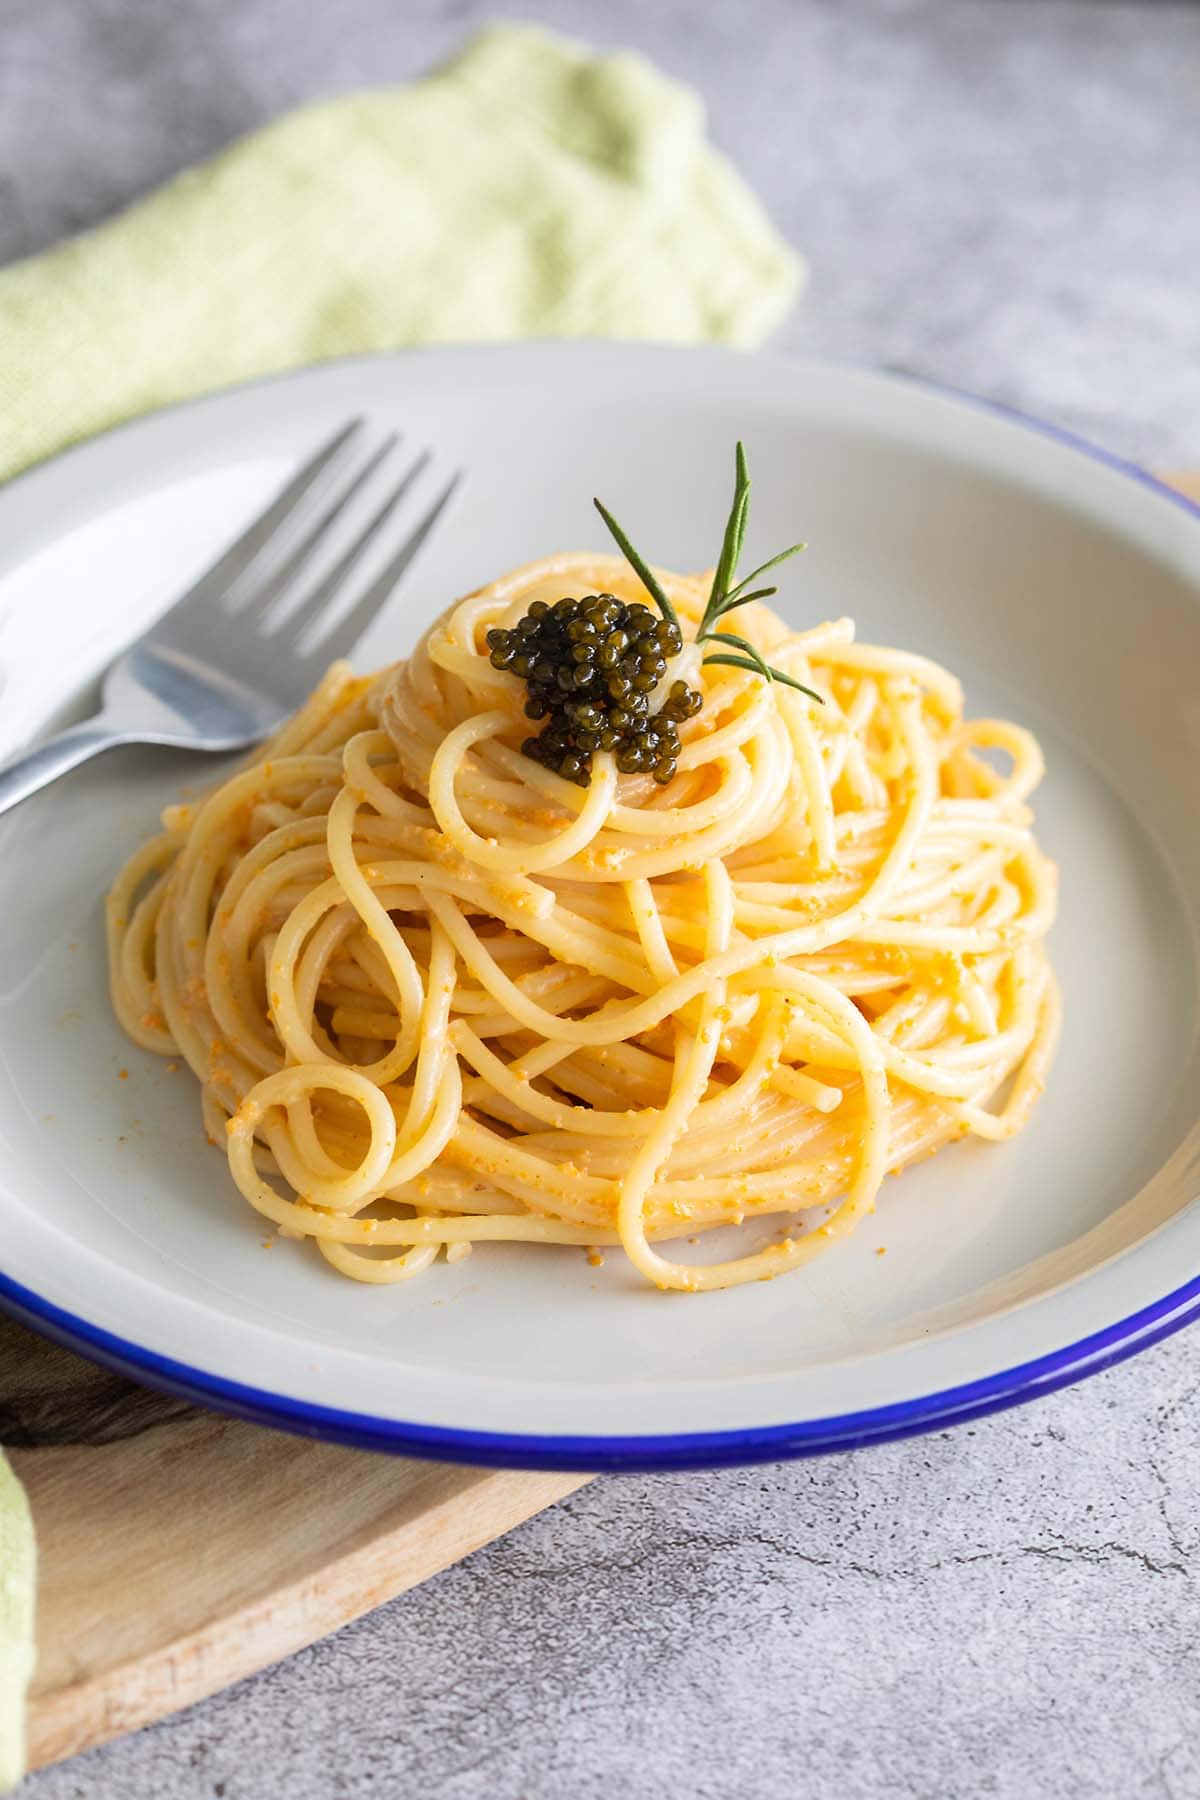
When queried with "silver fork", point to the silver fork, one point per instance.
{"points": [[227, 663]]}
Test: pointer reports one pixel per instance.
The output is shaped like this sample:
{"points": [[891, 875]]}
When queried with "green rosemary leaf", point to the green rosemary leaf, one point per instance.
{"points": [[792, 550], [735, 662], [742, 644], [641, 568], [742, 485], [731, 543], [772, 674], [744, 600], [790, 681]]}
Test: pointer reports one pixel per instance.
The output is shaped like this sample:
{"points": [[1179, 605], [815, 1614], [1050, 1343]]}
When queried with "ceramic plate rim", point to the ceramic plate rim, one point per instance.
{"points": [[645, 1453], [828, 1433]]}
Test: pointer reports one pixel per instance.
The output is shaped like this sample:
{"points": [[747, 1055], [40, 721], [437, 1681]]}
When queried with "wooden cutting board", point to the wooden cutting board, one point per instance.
{"points": [[180, 1551]]}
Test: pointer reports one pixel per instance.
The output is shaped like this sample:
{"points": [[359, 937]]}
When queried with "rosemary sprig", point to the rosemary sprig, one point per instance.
{"points": [[724, 594]]}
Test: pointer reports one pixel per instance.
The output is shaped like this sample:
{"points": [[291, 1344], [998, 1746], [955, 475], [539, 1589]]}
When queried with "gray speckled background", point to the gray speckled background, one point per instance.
{"points": [[1002, 194]]}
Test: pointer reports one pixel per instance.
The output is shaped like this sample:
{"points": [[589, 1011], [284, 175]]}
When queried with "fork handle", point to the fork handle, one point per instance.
{"points": [[39, 767]]}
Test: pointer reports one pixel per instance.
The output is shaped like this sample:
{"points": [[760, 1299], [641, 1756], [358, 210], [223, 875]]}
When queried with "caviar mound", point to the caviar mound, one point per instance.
{"points": [[592, 669]]}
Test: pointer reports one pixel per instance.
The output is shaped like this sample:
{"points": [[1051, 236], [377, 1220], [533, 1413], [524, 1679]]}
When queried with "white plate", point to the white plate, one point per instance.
{"points": [[1062, 588]]}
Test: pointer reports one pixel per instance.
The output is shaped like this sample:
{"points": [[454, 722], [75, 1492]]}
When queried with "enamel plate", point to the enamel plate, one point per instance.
{"points": [[1061, 587]]}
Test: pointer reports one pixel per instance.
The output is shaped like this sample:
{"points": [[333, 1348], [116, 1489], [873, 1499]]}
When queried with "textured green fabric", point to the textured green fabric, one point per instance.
{"points": [[17, 1564], [527, 189]]}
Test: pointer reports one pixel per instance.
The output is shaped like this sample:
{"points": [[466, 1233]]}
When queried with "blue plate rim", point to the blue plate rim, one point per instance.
{"points": [[657, 1452], [595, 1455]]}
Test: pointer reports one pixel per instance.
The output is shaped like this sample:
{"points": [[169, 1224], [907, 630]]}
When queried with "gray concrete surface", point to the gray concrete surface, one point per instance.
{"points": [[1002, 195]]}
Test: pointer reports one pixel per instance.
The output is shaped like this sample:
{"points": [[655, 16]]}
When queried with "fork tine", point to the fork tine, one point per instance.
{"points": [[347, 631], [316, 602], [252, 612], [246, 549]]}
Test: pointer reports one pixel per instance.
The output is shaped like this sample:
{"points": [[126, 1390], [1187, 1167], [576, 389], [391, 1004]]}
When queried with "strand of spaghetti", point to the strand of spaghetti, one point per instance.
{"points": [[610, 1024], [776, 1259], [491, 855], [360, 773], [647, 921], [277, 1090], [694, 1058], [430, 1122], [814, 783], [130, 924], [1030, 1081]]}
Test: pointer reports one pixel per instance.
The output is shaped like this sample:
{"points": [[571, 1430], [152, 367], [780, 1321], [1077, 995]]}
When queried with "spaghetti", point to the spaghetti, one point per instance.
{"points": [[438, 995]]}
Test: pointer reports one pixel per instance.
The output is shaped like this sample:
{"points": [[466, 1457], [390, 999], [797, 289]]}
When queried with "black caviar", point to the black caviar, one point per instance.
{"points": [[591, 667]]}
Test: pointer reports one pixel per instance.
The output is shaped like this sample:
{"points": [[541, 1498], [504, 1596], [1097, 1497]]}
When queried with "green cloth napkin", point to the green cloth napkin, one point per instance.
{"points": [[527, 189], [17, 1564]]}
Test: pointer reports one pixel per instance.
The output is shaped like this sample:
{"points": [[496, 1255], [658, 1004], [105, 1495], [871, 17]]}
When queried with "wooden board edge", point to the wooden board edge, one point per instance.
{"points": [[77, 1718]]}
